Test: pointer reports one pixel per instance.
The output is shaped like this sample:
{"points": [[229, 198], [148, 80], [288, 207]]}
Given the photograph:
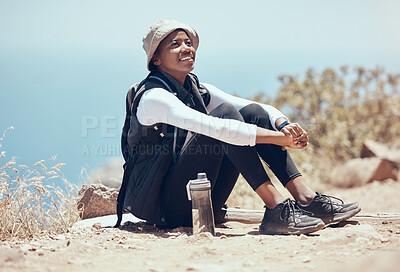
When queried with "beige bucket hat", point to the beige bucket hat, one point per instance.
{"points": [[162, 29]]}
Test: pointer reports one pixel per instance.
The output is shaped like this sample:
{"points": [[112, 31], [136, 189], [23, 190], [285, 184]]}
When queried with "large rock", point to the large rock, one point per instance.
{"points": [[97, 200], [374, 149], [357, 172]]}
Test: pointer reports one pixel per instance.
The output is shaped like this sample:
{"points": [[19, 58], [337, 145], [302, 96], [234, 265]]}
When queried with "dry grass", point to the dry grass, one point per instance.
{"points": [[34, 200]]}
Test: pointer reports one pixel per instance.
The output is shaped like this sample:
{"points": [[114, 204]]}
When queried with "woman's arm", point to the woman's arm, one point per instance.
{"points": [[218, 97], [160, 106]]}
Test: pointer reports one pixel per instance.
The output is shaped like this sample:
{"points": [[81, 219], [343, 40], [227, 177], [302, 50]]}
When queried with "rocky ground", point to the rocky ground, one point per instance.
{"points": [[362, 244]]}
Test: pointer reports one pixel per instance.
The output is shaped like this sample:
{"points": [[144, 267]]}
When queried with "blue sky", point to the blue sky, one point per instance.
{"points": [[65, 66]]}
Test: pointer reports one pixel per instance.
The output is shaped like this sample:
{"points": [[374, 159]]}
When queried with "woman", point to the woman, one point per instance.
{"points": [[177, 127]]}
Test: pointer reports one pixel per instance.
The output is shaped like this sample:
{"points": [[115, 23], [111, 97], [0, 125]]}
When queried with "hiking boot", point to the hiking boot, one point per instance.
{"points": [[288, 218], [220, 215], [329, 211]]}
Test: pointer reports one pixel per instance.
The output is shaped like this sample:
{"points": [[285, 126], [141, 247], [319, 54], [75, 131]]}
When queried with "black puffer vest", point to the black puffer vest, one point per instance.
{"points": [[150, 151]]}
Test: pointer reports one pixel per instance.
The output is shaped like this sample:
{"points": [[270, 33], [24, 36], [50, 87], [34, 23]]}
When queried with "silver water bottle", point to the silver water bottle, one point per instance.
{"points": [[199, 192]]}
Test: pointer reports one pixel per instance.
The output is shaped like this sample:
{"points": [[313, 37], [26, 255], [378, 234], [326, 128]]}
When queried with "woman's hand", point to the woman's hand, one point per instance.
{"points": [[266, 136], [298, 134]]}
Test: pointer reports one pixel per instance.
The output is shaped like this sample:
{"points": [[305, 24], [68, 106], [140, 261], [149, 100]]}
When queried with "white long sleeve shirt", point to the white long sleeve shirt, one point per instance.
{"points": [[157, 105]]}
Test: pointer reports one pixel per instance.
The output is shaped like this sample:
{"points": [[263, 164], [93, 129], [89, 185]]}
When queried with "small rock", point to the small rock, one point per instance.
{"points": [[384, 240], [303, 237], [96, 226], [306, 259]]}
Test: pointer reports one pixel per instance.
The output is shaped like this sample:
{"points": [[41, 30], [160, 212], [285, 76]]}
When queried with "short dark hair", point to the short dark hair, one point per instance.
{"points": [[152, 66]]}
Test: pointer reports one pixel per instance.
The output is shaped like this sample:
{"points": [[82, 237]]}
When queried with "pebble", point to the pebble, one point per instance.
{"points": [[303, 237], [306, 259], [96, 226], [384, 240]]}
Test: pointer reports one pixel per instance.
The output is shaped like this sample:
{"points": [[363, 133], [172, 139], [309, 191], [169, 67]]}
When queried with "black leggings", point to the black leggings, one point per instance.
{"points": [[222, 163]]}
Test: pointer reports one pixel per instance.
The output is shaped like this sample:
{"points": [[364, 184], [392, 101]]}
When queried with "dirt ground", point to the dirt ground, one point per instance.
{"points": [[361, 244]]}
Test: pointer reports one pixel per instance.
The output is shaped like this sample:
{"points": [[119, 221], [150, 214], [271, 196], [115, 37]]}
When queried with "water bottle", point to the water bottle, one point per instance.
{"points": [[199, 192]]}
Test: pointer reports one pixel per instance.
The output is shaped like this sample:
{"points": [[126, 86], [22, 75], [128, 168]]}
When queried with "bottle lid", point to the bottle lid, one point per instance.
{"points": [[199, 184], [201, 176]]}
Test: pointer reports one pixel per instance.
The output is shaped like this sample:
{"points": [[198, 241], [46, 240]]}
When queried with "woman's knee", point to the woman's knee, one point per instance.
{"points": [[226, 111], [255, 114]]}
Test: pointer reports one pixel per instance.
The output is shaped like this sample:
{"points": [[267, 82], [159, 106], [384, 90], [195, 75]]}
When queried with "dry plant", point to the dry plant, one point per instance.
{"points": [[34, 200], [340, 109]]}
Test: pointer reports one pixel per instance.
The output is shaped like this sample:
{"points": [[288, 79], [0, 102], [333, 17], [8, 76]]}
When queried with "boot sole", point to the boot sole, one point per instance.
{"points": [[343, 216], [305, 230]]}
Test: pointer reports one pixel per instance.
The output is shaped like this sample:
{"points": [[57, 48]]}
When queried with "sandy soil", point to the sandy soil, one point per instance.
{"points": [[362, 244]]}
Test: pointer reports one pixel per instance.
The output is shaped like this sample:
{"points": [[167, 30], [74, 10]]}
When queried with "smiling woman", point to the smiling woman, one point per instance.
{"points": [[175, 55], [176, 127]]}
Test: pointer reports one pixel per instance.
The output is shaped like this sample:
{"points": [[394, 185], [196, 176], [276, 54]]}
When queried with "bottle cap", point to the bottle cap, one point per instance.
{"points": [[201, 176], [199, 184]]}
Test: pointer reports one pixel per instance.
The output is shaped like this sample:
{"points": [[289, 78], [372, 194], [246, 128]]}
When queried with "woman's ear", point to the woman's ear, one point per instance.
{"points": [[156, 60]]}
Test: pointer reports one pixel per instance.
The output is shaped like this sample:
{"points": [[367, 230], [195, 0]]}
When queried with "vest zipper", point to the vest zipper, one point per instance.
{"points": [[187, 143]]}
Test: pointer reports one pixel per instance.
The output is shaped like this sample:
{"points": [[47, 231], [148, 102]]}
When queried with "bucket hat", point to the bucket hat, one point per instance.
{"points": [[162, 29]]}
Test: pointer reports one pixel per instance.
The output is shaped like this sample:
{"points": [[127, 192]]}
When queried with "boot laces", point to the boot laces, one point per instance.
{"points": [[328, 199], [290, 207]]}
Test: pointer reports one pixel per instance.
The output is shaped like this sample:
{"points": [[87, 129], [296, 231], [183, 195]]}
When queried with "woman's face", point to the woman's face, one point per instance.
{"points": [[175, 54]]}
